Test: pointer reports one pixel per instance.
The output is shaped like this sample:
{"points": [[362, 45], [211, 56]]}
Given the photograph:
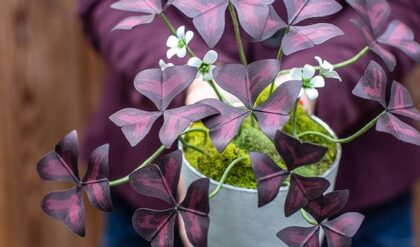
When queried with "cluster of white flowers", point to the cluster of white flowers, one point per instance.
{"points": [[310, 82], [178, 44]]}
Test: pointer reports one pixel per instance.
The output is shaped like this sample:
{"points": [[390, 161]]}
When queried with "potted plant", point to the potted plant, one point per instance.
{"points": [[259, 149]]}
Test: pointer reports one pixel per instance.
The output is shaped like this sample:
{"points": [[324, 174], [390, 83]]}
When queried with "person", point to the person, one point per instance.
{"points": [[377, 168]]}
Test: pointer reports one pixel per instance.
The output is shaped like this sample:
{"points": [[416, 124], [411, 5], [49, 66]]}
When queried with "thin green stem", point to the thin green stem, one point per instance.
{"points": [[294, 118], [202, 130], [343, 64], [308, 218], [237, 34], [147, 162], [225, 174], [347, 139], [219, 95], [280, 53], [187, 145]]}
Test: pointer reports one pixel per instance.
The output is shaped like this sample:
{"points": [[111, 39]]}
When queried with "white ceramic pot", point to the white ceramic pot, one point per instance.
{"points": [[236, 220]]}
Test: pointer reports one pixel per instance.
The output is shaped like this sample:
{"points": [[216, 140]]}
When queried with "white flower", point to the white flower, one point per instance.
{"points": [[327, 69], [178, 44], [164, 65], [309, 81], [205, 66]]}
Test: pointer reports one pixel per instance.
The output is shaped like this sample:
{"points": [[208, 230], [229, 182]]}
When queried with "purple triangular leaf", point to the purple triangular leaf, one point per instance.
{"points": [[156, 226], [269, 176], [299, 10], [247, 82], [388, 123], [223, 127], [340, 230], [304, 37], [302, 190], [161, 87], [67, 150], [401, 102], [141, 6], [133, 21], [373, 12], [134, 123], [273, 23], [170, 167], [327, 205], [401, 36], [208, 17], [296, 153], [273, 114], [178, 119], [372, 85], [194, 211], [67, 206], [296, 236], [95, 182]]}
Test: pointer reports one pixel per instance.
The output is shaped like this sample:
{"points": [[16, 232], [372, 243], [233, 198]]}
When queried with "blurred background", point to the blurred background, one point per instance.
{"points": [[50, 79]]}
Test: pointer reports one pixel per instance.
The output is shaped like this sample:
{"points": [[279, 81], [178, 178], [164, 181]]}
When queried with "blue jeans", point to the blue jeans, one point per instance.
{"points": [[386, 226]]}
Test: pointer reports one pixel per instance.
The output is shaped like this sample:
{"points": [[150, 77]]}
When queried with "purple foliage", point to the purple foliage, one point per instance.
{"points": [[61, 165], [149, 9]]}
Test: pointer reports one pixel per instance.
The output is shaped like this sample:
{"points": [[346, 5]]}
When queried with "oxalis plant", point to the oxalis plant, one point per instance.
{"points": [[159, 177]]}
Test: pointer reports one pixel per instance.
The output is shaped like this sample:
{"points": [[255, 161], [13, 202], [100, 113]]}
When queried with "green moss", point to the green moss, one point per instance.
{"points": [[212, 164]]}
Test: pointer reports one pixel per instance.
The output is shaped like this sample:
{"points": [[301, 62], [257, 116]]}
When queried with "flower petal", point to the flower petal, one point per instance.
{"points": [[333, 74], [312, 93], [319, 61], [207, 77], [188, 36], [210, 57], [195, 62], [171, 52], [181, 52], [172, 41], [296, 74], [308, 71], [318, 81], [180, 32]]}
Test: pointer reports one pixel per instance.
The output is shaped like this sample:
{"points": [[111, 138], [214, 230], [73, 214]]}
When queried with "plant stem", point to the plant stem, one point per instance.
{"points": [[225, 174], [308, 218], [202, 130], [343, 64], [280, 53], [237, 34], [219, 95], [294, 118], [187, 145], [147, 162], [347, 139]]}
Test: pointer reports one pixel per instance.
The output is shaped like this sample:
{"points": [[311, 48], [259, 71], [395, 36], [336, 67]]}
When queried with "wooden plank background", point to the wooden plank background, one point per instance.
{"points": [[49, 81]]}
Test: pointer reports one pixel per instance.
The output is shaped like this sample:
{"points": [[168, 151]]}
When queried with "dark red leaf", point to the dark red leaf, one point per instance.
{"points": [[134, 21], [178, 119], [401, 102], [296, 236], [67, 206], [299, 10], [302, 190], [141, 6], [304, 37], [224, 126], [400, 36], [51, 167], [327, 205], [296, 153], [373, 12], [134, 123], [372, 85], [269, 176], [340, 230], [388, 123], [273, 114], [67, 150], [194, 211]]}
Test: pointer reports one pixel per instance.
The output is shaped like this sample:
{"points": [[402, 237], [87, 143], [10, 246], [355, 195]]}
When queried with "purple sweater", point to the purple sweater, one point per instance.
{"points": [[375, 168]]}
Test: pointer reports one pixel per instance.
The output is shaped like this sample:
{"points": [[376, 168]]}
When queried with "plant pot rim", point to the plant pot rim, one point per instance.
{"points": [[282, 189]]}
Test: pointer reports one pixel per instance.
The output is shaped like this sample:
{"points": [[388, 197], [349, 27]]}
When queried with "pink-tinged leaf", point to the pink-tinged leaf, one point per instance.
{"points": [[156, 226], [372, 85], [252, 15], [223, 127], [141, 6], [161, 87], [304, 37], [340, 230], [373, 12], [133, 21], [273, 114], [178, 119], [247, 82], [99, 195], [208, 17], [269, 176], [388, 123], [194, 211], [134, 123], [296, 153], [302, 190], [401, 102], [170, 167], [299, 10], [401, 36], [67, 150], [327, 205], [273, 23], [374, 46], [67, 206], [296, 236]]}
